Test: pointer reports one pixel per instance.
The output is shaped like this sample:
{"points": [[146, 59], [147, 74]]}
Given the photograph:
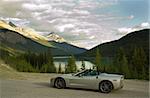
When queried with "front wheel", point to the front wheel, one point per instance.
{"points": [[59, 83], [105, 86]]}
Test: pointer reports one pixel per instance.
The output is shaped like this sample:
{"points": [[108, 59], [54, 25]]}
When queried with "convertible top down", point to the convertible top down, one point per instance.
{"points": [[89, 79]]}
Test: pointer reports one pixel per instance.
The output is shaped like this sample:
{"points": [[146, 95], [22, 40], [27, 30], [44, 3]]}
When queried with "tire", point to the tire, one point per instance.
{"points": [[105, 87], [60, 83]]}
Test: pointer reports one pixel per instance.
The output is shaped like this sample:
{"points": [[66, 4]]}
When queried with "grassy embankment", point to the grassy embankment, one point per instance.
{"points": [[10, 73]]}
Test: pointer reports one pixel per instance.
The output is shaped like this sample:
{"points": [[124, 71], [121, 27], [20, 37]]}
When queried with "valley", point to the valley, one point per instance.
{"points": [[37, 53]]}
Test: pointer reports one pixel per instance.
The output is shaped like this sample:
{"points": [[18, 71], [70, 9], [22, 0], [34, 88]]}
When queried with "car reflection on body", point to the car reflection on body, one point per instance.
{"points": [[89, 79]]}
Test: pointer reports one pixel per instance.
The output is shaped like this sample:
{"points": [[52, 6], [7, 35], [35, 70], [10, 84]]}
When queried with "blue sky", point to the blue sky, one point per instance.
{"points": [[85, 23], [138, 8]]}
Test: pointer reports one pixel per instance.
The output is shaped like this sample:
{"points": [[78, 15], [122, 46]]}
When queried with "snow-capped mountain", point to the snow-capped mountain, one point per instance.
{"points": [[54, 37], [31, 33], [28, 32], [25, 39]]}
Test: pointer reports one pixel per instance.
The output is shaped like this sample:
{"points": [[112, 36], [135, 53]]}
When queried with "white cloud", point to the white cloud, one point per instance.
{"points": [[126, 30], [79, 21], [52, 21], [10, 19], [92, 37], [12, 0], [36, 13], [85, 43], [43, 33], [84, 12], [32, 6], [145, 24], [16, 21], [62, 28]]}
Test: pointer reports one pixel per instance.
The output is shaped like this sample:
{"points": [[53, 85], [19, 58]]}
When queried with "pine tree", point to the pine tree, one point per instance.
{"points": [[59, 68], [121, 63], [71, 66], [51, 66], [139, 61], [48, 68], [143, 74], [48, 63], [117, 60], [97, 60], [65, 68], [125, 68]]}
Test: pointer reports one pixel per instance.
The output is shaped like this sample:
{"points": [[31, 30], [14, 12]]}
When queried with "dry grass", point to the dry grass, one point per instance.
{"points": [[9, 73]]}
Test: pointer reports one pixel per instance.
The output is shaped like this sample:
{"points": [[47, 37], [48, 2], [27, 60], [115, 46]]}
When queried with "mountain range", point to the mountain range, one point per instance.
{"points": [[21, 39], [14, 38]]}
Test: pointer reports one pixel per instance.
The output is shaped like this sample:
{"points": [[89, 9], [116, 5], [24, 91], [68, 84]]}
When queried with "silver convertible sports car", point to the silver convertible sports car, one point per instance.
{"points": [[89, 79]]}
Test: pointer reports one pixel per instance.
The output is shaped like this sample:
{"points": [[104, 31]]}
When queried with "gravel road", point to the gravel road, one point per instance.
{"points": [[41, 89]]}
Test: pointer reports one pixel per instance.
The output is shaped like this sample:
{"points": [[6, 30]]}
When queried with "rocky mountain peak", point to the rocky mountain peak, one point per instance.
{"points": [[54, 37]]}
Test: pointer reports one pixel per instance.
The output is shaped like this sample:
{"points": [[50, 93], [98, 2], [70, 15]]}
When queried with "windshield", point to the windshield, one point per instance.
{"points": [[87, 73]]}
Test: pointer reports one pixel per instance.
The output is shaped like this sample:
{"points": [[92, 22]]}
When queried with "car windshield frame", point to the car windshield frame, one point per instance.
{"points": [[87, 73]]}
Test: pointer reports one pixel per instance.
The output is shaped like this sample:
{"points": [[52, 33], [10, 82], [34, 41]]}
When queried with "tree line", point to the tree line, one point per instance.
{"points": [[36, 62], [133, 65]]}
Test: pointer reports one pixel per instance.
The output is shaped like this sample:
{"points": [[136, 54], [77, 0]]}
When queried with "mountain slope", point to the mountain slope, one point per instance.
{"points": [[128, 42], [17, 41], [29, 33], [20, 39], [68, 47]]}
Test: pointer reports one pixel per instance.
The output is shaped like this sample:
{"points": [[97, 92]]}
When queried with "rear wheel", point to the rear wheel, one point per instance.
{"points": [[60, 83], [105, 86]]}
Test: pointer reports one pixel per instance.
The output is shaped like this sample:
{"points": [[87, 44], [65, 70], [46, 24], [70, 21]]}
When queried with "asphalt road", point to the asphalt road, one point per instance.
{"points": [[41, 89]]}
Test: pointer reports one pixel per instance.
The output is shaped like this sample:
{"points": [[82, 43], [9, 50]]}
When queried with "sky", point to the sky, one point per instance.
{"points": [[84, 23]]}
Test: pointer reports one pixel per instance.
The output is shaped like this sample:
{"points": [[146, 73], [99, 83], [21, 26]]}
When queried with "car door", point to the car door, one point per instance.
{"points": [[83, 80]]}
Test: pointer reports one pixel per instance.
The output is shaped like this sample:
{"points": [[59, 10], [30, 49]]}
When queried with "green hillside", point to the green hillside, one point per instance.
{"points": [[128, 56], [128, 43]]}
